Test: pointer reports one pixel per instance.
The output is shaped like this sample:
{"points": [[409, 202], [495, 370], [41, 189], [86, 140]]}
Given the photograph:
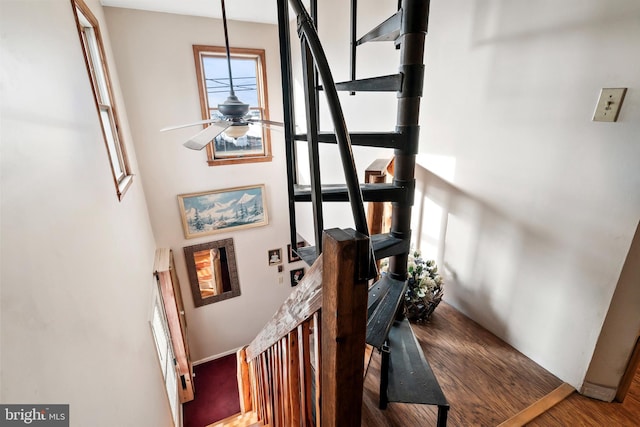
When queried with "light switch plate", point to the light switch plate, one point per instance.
{"points": [[609, 104]]}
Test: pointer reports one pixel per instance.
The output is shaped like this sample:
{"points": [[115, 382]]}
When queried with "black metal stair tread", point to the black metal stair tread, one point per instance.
{"points": [[376, 293], [307, 254], [389, 30], [383, 192], [383, 316], [394, 140], [389, 83], [411, 379], [385, 245]]}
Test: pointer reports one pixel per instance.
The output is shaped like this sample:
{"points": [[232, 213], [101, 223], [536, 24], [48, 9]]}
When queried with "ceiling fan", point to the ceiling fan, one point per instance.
{"points": [[235, 120]]}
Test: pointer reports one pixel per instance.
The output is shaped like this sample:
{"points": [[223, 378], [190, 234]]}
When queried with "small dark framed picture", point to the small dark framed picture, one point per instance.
{"points": [[296, 276], [293, 257], [280, 268], [275, 256]]}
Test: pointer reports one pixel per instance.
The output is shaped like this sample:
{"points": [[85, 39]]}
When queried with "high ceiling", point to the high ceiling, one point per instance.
{"points": [[241, 10]]}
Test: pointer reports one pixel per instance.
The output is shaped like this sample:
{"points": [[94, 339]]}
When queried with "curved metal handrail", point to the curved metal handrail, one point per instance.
{"points": [[307, 32]]}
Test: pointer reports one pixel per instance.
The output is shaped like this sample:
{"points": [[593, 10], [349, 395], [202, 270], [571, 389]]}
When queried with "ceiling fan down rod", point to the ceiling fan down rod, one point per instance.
{"points": [[226, 44]]}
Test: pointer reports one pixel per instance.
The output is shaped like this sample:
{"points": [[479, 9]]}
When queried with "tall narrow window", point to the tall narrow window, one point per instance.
{"points": [[249, 85], [93, 49], [162, 337]]}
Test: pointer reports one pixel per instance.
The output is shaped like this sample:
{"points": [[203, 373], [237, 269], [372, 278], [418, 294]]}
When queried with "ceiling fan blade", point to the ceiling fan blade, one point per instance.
{"points": [[205, 136], [202, 122], [265, 122]]}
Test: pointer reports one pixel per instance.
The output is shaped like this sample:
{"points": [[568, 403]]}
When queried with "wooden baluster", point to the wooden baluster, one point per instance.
{"points": [[263, 400], [267, 386], [257, 368], [277, 348], [294, 401], [277, 389], [287, 388], [271, 378], [285, 380], [317, 351], [253, 381], [305, 373]]}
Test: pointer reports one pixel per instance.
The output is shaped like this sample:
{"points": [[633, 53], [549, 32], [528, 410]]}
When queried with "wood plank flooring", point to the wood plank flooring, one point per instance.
{"points": [[484, 379], [487, 382], [578, 410]]}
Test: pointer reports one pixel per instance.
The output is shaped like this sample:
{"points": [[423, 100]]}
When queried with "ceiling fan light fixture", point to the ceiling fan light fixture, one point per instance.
{"points": [[237, 130]]}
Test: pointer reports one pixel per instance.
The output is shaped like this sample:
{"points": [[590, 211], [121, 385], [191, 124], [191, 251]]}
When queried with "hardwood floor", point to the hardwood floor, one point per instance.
{"points": [[578, 410], [485, 380]]}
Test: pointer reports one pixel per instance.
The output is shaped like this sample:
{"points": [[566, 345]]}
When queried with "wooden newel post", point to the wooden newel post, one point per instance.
{"points": [[344, 321], [244, 383]]}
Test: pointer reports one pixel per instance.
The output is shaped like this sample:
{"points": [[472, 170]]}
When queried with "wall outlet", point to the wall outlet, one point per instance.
{"points": [[280, 280], [609, 104]]}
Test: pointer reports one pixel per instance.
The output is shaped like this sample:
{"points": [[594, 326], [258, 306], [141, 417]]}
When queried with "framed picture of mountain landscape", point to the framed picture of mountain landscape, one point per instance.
{"points": [[218, 211]]}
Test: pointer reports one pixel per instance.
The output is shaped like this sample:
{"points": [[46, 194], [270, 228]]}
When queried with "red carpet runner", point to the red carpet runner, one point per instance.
{"points": [[216, 393]]}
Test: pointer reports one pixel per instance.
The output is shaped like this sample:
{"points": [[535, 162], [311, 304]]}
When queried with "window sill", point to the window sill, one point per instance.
{"points": [[239, 160], [124, 185]]}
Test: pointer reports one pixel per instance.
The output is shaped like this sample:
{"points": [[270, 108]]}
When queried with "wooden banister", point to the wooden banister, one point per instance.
{"points": [[305, 300], [305, 368]]}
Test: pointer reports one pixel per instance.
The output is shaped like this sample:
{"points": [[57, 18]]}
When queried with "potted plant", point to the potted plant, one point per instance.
{"points": [[425, 288]]}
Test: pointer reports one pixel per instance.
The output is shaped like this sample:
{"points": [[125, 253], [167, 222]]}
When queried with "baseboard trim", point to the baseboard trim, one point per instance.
{"points": [[215, 356], [227, 420], [540, 407], [599, 392]]}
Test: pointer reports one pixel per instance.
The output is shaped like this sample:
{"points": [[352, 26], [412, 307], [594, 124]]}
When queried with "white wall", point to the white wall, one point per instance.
{"points": [[76, 263], [621, 327], [544, 202], [529, 205], [154, 58]]}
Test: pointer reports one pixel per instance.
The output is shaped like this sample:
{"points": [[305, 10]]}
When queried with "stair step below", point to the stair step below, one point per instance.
{"points": [[248, 419], [370, 193], [389, 30], [376, 294], [307, 254], [384, 245], [411, 379], [383, 316], [393, 140], [390, 83]]}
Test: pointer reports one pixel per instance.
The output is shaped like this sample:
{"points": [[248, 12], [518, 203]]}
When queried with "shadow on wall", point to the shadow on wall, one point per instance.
{"points": [[486, 257]]}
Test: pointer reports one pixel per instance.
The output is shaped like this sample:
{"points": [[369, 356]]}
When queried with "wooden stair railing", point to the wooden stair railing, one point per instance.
{"points": [[306, 366]]}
